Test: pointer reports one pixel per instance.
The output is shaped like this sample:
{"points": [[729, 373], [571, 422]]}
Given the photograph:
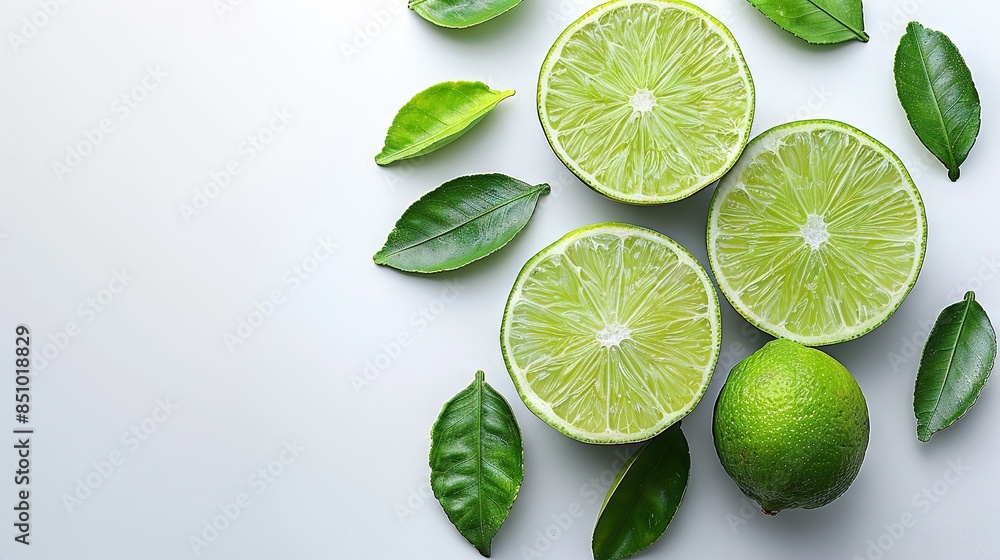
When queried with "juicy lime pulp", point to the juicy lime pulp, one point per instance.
{"points": [[612, 333], [646, 101], [817, 234]]}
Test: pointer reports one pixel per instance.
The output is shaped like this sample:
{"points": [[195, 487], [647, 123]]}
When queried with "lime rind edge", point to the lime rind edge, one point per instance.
{"points": [[737, 169], [587, 178], [540, 409]]}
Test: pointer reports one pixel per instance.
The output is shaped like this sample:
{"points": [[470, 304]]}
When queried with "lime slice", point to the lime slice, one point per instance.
{"points": [[646, 101], [612, 333], [818, 233]]}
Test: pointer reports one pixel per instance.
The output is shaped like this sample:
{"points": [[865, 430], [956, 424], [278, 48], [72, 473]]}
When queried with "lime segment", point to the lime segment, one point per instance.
{"points": [[612, 333], [818, 233], [647, 101]]}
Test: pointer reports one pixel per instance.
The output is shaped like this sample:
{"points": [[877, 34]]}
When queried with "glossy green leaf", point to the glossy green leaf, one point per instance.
{"points": [[956, 362], [820, 22], [477, 462], [936, 90], [643, 499], [461, 13], [436, 117], [460, 222]]}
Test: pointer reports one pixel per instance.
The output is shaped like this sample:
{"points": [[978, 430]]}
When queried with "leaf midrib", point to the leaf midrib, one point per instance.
{"points": [[952, 163], [951, 358], [533, 190], [645, 482], [861, 35], [479, 112], [479, 464]]}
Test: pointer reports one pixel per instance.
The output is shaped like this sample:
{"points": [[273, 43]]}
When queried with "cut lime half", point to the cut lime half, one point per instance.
{"points": [[817, 234], [646, 101], [612, 333]]}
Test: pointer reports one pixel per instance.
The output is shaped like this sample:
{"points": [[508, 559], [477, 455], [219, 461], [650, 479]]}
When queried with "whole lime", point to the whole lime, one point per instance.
{"points": [[791, 427]]}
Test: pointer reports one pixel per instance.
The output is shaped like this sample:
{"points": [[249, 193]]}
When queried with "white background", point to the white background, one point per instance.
{"points": [[358, 488]]}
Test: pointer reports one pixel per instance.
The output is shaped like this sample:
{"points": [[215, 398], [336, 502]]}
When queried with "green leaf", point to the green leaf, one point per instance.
{"points": [[460, 222], [436, 117], [477, 462], [461, 13], [821, 22], [936, 90], [954, 367], [643, 499]]}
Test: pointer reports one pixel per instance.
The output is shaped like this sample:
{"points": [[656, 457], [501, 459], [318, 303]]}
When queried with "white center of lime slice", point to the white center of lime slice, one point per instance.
{"points": [[613, 335], [642, 102], [814, 232]]}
